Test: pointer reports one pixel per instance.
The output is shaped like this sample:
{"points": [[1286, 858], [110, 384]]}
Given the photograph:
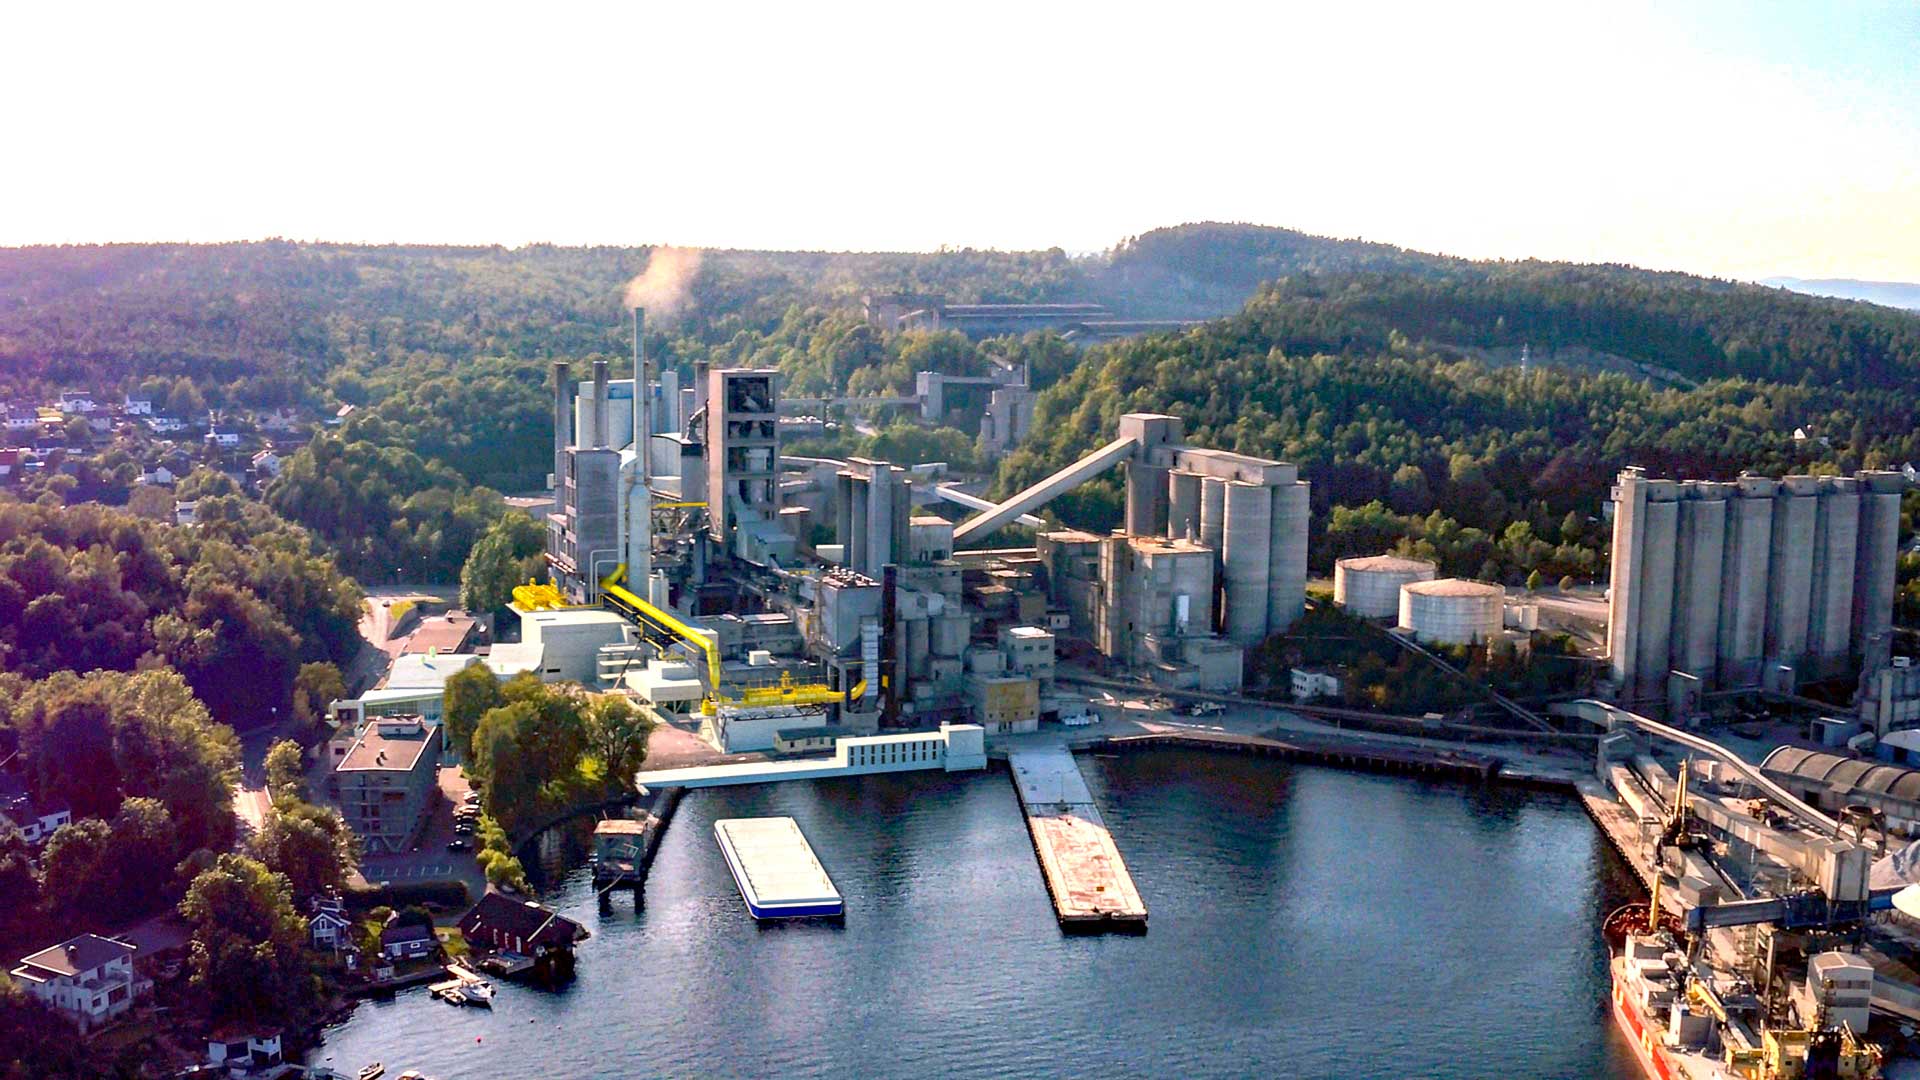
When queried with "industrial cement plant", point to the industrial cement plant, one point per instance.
{"points": [[692, 568]]}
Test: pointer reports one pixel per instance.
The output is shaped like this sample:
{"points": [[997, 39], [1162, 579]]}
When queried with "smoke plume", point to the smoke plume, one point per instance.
{"points": [[664, 287]]}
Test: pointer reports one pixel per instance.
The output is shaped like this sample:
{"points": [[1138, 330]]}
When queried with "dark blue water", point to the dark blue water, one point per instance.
{"points": [[1305, 922]]}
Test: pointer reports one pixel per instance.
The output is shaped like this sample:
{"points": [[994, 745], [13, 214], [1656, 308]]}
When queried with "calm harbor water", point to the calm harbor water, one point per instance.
{"points": [[1305, 922]]}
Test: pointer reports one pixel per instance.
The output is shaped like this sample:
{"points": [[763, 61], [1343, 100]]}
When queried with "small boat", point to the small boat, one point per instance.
{"points": [[478, 992], [373, 1071]]}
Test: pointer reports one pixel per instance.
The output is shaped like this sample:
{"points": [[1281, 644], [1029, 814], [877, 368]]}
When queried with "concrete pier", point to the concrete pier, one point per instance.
{"points": [[1085, 875]]}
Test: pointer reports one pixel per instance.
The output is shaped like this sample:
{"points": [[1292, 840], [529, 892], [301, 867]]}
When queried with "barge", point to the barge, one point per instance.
{"points": [[776, 870]]}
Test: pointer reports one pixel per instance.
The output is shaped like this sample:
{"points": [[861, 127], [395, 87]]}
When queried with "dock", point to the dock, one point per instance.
{"points": [[1085, 875]]}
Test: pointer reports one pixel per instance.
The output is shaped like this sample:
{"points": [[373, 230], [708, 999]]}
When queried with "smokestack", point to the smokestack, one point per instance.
{"points": [[601, 424], [562, 421], [642, 398]]}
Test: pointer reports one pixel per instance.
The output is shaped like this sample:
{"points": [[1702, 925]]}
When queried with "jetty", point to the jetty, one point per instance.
{"points": [[1085, 875]]}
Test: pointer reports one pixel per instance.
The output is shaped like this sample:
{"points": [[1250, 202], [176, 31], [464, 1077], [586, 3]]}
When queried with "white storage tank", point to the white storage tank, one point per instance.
{"points": [[1450, 611], [1369, 586]]}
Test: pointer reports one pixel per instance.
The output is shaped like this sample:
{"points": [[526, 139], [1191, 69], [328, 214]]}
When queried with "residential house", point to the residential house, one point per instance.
{"points": [[136, 406], [279, 421], [340, 417], [166, 425], [266, 464], [185, 511], [23, 418], [9, 462], [36, 821], [225, 440], [502, 923], [330, 927], [241, 1050], [76, 401], [388, 780], [159, 475], [411, 941], [89, 979]]}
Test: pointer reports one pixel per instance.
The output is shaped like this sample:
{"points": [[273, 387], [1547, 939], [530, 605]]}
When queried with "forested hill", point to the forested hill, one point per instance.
{"points": [[1366, 380]]}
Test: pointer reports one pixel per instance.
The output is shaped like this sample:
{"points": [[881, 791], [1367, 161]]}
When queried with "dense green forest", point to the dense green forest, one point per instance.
{"points": [[1389, 375]]}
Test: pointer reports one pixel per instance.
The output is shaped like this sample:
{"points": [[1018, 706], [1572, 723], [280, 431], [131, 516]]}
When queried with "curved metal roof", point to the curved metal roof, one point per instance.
{"points": [[1846, 773]]}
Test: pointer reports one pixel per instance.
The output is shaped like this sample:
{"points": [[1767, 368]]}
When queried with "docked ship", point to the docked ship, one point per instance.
{"points": [[1689, 1021]]}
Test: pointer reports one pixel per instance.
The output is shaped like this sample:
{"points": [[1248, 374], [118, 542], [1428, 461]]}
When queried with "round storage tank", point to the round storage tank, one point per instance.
{"points": [[1451, 611], [1369, 586]]}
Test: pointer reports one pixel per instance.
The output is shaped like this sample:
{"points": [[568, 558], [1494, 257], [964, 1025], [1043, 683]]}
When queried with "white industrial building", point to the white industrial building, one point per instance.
{"points": [[1750, 583]]}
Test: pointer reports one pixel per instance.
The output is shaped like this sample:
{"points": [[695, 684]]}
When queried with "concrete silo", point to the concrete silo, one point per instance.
{"points": [[1655, 584], [1696, 612], [1213, 511], [1287, 556], [1450, 611], [1871, 633], [1244, 555], [1369, 586], [1183, 505], [1796, 511], [1743, 582], [1146, 509], [1836, 546]]}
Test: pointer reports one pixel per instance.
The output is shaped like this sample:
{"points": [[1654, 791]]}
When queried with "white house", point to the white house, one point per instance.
{"points": [[1309, 684], [266, 463], [90, 979], [241, 1051], [76, 401], [136, 406], [279, 421], [23, 418], [330, 927], [160, 475], [164, 425], [184, 511], [225, 440]]}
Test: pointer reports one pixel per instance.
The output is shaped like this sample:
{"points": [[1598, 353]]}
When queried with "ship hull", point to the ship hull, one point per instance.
{"points": [[1640, 1032]]}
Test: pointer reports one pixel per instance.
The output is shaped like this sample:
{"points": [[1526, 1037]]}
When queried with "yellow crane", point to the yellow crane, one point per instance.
{"points": [[648, 616]]}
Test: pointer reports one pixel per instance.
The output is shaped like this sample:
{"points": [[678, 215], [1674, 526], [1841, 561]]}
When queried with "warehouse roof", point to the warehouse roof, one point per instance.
{"points": [[1845, 773]]}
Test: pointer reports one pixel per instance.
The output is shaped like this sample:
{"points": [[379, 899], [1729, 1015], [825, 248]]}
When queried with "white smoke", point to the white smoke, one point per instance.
{"points": [[666, 285]]}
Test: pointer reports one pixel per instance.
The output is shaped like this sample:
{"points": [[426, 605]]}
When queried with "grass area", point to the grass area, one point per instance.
{"points": [[452, 940]]}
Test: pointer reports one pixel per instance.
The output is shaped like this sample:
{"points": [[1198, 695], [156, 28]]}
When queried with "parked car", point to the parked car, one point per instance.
{"points": [[472, 799], [463, 828], [459, 843]]}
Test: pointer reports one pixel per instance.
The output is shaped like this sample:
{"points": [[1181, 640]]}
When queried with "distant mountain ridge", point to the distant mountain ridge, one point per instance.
{"points": [[1899, 294]]}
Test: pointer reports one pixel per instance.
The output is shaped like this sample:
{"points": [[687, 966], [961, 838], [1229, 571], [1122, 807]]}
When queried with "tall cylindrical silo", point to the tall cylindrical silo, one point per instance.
{"points": [[1874, 565], [1696, 616], [1661, 538], [1146, 510], [1213, 511], [1623, 589], [1836, 546], [1369, 586], [1450, 611], [1287, 556], [1743, 582], [1183, 505], [1244, 556], [1790, 569]]}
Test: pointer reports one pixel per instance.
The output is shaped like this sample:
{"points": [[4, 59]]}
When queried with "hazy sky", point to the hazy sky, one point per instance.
{"points": [[1739, 139]]}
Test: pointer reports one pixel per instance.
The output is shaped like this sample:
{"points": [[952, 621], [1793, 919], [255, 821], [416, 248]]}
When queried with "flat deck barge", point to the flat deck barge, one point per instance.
{"points": [[1085, 875], [776, 870]]}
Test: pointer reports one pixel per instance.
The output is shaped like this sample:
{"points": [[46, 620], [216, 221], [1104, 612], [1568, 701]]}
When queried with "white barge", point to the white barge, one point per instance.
{"points": [[774, 866]]}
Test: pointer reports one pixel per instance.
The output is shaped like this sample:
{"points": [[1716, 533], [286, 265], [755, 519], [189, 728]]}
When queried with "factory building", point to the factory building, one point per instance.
{"points": [[1757, 582], [1369, 587], [690, 566]]}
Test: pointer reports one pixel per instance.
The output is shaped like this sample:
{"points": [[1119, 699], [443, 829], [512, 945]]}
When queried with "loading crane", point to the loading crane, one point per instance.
{"points": [[649, 617]]}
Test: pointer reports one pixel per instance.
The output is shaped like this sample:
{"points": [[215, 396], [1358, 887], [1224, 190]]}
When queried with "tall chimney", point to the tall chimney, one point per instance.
{"points": [[562, 421], [601, 427], [642, 399]]}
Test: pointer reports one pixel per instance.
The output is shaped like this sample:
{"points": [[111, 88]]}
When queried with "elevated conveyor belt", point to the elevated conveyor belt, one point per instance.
{"points": [[974, 502], [1046, 490]]}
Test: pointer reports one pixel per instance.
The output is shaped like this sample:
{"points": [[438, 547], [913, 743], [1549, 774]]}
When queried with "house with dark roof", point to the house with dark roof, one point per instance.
{"points": [[407, 941], [505, 924], [89, 979]]}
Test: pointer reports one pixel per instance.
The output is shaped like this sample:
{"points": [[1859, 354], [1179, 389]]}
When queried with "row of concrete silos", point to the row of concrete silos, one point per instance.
{"points": [[1730, 581], [1258, 527]]}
